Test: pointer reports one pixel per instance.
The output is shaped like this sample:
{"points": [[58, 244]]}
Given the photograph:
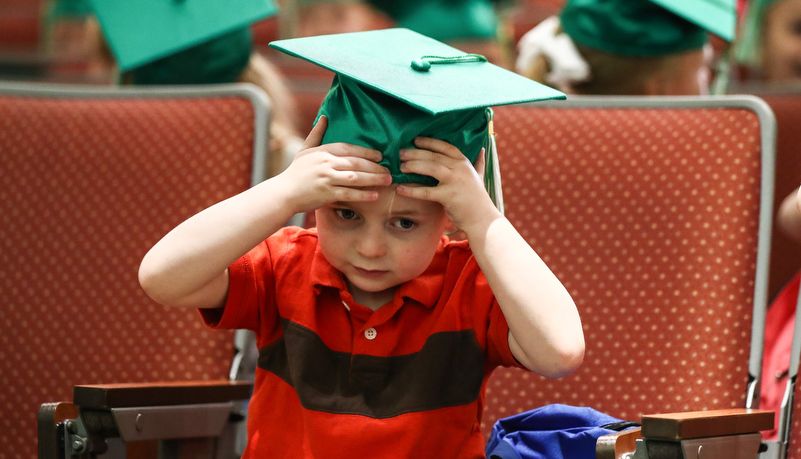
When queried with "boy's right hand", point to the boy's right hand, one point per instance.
{"points": [[321, 174]]}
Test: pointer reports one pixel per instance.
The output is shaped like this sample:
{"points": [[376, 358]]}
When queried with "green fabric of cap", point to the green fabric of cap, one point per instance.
{"points": [[219, 60], [643, 28], [369, 125], [142, 31], [747, 50], [71, 9], [444, 19], [377, 100]]}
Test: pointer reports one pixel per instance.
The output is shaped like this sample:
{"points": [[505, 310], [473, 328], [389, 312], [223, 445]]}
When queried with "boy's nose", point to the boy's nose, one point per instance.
{"points": [[372, 244]]}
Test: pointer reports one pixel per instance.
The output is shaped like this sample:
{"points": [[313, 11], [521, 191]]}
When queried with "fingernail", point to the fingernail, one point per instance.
{"points": [[402, 153]]}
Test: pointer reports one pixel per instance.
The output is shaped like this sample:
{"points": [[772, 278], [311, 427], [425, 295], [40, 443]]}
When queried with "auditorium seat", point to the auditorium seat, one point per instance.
{"points": [[92, 178], [656, 214]]}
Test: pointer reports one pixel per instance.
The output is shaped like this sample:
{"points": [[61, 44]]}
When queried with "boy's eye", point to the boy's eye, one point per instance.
{"points": [[346, 214], [404, 223]]}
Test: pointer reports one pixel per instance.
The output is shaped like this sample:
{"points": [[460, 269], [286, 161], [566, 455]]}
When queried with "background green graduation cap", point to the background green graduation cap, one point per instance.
{"points": [[206, 40], [647, 28], [444, 19], [439, 19], [381, 101]]}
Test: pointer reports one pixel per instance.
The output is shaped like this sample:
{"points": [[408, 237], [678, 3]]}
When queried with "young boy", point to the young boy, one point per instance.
{"points": [[376, 336]]}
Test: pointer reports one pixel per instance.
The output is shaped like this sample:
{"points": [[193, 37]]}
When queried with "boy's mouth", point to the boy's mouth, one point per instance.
{"points": [[371, 273]]}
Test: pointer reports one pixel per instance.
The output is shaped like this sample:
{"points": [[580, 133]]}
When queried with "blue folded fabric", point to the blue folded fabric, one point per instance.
{"points": [[551, 432]]}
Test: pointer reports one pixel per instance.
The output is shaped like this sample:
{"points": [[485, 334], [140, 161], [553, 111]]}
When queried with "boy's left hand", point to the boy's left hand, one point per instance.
{"points": [[460, 189]]}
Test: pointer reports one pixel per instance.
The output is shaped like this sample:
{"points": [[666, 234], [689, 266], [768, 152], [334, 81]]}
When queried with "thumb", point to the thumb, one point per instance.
{"points": [[315, 137]]}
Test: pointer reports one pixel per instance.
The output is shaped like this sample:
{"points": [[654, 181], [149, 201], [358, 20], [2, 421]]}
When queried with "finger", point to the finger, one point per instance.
{"points": [[438, 146], [344, 194], [315, 137], [424, 167], [346, 149], [426, 193], [349, 163], [481, 163], [432, 157], [360, 179]]}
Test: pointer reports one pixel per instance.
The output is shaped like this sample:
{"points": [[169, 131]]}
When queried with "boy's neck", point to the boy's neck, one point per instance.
{"points": [[372, 300]]}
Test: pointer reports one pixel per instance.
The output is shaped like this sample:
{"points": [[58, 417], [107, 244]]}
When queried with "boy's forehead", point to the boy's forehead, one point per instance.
{"points": [[390, 203]]}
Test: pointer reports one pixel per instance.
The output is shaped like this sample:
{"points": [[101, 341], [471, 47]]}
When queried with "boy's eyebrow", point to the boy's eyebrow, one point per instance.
{"points": [[408, 212]]}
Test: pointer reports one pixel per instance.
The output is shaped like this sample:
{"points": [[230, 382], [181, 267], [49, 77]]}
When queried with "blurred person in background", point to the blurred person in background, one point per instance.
{"points": [[768, 50], [769, 42], [780, 321], [627, 47], [72, 39], [202, 44], [472, 26]]}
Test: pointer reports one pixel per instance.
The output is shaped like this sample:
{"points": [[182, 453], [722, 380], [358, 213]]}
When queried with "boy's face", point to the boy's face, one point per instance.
{"points": [[382, 244]]}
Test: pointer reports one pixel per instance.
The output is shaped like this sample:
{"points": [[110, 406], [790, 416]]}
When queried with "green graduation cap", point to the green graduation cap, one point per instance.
{"points": [[394, 85], [439, 19], [444, 19], [209, 38], [647, 28]]}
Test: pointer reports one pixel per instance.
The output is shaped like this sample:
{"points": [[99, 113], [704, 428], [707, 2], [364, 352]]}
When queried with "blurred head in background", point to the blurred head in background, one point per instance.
{"points": [[769, 42], [627, 47]]}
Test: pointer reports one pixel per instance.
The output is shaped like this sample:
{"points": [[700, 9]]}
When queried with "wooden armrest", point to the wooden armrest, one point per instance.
{"points": [[105, 396], [615, 445], [699, 424]]}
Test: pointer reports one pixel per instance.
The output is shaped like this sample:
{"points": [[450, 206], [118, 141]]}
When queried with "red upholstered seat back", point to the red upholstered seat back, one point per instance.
{"points": [[650, 217], [87, 187]]}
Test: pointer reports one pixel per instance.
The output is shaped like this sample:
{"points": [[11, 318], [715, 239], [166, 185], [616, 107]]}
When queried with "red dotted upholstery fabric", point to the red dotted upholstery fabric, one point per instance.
{"points": [[87, 187], [650, 219]]}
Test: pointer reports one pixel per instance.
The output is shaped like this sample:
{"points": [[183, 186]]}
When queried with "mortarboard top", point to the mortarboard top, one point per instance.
{"points": [[143, 31], [715, 16], [381, 60], [378, 100], [647, 28]]}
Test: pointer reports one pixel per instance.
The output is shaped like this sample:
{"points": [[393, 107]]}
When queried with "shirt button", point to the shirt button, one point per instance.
{"points": [[370, 333]]}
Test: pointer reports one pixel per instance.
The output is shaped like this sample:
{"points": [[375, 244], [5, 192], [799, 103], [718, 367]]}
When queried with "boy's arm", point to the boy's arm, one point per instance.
{"points": [[545, 332], [189, 266]]}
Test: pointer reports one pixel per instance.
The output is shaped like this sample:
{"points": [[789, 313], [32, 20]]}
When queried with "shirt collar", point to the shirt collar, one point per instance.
{"points": [[425, 289]]}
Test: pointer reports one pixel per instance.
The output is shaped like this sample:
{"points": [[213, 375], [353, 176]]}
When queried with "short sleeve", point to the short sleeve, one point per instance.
{"points": [[249, 303], [498, 349]]}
